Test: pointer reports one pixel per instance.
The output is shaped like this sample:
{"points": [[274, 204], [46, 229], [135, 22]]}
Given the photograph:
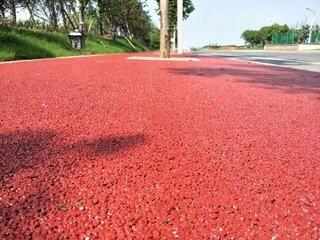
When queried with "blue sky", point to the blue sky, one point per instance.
{"points": [[223, 21]]}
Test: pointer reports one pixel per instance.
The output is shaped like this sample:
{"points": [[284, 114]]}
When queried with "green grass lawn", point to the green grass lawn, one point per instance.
{"points": [[16, 44]]}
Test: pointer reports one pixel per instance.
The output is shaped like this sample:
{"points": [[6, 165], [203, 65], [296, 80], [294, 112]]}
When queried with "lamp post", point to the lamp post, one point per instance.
{"points": [[312, 23], [76, 39], [179, 25]]}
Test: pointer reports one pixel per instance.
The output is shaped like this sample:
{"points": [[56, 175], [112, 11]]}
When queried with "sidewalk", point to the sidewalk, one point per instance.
{"points": [[104, 147]]}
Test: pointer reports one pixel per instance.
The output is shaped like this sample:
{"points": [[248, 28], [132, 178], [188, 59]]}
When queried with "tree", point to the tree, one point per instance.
{"points": [[30, 6], [13, 11], [126, 17], [168, 26], [105, 17], [154, 38], [2, 10], [302, 32], [251, 37], [63, 15], [137, 21], [53, 13], [267, 32], [263, 35], [82, 4], [188, 8]]}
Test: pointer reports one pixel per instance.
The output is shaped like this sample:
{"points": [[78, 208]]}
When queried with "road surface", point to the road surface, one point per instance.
{"points": [[105, 147], [299, 60]]}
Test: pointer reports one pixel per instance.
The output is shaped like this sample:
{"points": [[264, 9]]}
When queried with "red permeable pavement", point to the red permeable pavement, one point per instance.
{"points": [[104, 147]]}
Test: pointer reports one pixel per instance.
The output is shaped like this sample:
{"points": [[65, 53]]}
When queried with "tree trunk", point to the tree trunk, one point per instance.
{"points": [[100, 22], [63, 15], [129, 33], [73, 13], [69, 19], [90, 25], [2, 9], [81, 16], [100, 18], [164, 31], [30, 10], [53, 15], [114, 33], [100, 26], [13, 10]]}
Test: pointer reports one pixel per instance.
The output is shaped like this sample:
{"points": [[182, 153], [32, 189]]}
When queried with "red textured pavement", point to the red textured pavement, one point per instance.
{"points": [[103, 148]]}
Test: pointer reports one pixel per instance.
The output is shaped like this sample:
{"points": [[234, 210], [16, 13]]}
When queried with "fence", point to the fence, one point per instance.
{"points": [[292, 38], [315, 37], [284, 38]]}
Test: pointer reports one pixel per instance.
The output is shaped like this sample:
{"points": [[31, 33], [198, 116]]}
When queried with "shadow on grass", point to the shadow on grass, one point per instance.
{"points": [[50, 37], [26, 44], [17, 48], [18, 44], [109, 46]]}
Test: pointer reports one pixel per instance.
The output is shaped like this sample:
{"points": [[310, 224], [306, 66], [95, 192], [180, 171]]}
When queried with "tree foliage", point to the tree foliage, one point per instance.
{"points": [[188, 8], [251, 37], [302, 32], [264, 35], [104, 17]]}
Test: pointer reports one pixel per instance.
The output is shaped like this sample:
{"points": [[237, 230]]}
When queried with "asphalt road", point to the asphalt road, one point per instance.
{"points": [[309, 61]]}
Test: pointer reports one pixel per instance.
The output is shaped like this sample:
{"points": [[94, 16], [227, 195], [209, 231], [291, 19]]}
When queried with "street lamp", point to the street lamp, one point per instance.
{"points": [[77, 39], [312, 23]]}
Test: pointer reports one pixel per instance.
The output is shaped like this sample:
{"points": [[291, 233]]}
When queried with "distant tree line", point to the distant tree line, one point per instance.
{"points": [[104, 17], [264, 35]]}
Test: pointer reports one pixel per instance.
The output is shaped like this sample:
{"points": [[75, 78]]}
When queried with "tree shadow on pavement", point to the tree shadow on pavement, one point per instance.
{"points": [[288, 80], [20, 150], [32, 162], [109, 145]]}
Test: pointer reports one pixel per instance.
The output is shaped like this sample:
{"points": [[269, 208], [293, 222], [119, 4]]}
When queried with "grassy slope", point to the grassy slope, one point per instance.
{"points": [[26, 44]]}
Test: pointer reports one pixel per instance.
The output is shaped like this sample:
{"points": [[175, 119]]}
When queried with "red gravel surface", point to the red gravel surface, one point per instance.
{"points": [[103, 148]]}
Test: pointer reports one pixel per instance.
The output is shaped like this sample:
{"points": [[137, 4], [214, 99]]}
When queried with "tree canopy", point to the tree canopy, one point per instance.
{"points": [[104, 17], [264, 35], [188, 8]]}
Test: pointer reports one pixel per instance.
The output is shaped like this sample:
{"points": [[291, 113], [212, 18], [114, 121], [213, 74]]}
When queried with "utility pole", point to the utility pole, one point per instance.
{"points": [[164, 29], [179, 25], [312, 23]]}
